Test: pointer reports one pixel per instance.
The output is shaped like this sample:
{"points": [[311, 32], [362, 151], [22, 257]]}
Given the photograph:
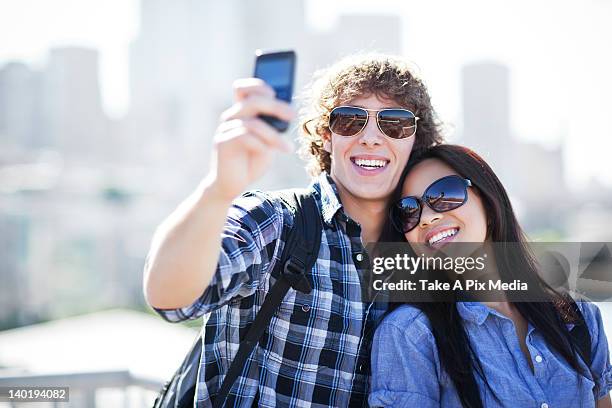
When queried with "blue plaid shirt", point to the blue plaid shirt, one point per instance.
{"points": [[315, 352]]}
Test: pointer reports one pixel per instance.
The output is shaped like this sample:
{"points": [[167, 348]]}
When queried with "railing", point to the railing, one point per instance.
{"points": [[84, 388]]}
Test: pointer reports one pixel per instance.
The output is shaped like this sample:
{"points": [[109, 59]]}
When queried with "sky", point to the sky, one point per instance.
{"points": [[559, 60], [28, 28], [558, 54]]}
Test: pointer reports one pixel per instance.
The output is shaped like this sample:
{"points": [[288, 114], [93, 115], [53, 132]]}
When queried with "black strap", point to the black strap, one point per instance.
{"points": [[581, 335], [180, 390], [299, 255]]}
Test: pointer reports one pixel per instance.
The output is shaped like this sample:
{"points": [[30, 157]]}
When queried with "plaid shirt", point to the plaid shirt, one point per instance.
{"points": [[315, 352]]}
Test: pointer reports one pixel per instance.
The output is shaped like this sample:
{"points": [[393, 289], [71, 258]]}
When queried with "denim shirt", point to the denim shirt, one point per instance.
{"points": [[406, 370]]}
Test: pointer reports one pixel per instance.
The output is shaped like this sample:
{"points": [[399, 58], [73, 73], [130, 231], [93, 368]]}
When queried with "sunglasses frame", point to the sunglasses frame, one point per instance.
{"points": [[378, 111], [420, 201]]}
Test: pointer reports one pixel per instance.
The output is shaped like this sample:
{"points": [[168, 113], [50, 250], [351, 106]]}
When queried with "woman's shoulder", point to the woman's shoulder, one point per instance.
{"points": [[407, 319]]}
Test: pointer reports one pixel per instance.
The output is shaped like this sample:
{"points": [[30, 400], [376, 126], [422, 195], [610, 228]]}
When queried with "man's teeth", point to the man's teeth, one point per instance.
{"points": [[441, 235], [370, 163]]}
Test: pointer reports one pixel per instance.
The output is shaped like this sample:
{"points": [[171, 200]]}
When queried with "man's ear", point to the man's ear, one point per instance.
{"points": [[327, 146]]}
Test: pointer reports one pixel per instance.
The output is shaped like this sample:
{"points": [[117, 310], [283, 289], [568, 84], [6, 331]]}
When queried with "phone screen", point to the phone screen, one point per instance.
{"points": [[278, 73], [277, 70]]}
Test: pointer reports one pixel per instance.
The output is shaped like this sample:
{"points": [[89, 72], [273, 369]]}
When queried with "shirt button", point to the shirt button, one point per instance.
{"points": [[305, 308], [359, 257], [544, 405], [538, 359], [361, 368]]}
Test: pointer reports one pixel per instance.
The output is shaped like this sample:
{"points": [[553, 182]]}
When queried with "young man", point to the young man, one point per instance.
{"points": [[215, 253]]}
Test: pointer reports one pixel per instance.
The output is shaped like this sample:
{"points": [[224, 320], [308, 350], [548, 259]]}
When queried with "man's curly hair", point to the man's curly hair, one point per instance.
{"points": [[387, 77]]}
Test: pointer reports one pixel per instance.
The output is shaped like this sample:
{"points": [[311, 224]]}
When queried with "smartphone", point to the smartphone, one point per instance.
{"points": [[277, 69]]}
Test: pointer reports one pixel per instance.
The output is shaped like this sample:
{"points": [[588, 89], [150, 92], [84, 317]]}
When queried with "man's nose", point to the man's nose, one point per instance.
{"points": [[371, 135]]}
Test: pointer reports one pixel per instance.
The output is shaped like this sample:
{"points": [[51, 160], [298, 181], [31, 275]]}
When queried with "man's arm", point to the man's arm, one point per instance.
{"points": [[185, 247], [185, 250]]}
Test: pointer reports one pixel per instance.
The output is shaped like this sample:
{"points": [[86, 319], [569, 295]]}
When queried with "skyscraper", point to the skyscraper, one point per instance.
{"points": [[486, 115], [20, 108], [72, 105]]}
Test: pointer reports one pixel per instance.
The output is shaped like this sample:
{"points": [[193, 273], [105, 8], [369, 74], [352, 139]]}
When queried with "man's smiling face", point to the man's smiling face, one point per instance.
{"points": [[368, 166]]}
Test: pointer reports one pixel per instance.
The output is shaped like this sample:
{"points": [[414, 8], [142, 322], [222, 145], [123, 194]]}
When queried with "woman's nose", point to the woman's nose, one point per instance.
{"points": [[429, 216]]}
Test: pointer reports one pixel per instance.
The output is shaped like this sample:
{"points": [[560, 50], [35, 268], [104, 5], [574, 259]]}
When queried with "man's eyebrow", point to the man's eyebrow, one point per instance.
{"points": [[384, 107]]}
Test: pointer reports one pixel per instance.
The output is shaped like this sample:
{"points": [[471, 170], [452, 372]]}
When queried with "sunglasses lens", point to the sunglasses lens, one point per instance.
{"points": [[347, 121], [397, 123], [446, 194], [406, 214]]}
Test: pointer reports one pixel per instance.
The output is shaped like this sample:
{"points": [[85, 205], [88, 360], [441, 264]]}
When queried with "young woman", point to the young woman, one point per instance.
{"points": [[480, 354]]}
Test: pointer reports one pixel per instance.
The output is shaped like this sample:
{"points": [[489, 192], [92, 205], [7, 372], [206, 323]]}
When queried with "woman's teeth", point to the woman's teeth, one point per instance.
{"points": [[441, 235], [370, 164]]}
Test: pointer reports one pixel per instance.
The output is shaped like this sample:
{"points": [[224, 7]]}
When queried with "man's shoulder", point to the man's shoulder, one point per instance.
{"points": [[265, 205], [258, 205]]}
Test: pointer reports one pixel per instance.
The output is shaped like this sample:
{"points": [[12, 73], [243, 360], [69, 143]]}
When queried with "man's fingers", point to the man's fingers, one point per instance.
{"points": [[255, 145], [247, 140], [257, 128], [246, 87], [228, 125], [268, 134], [257, 105]]}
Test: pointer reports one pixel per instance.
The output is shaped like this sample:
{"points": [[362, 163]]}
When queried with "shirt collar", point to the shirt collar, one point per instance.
{"points": [[330, 201], [475, 312], [478, 312]]}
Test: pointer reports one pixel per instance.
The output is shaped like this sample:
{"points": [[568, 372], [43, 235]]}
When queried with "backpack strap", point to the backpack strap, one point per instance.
{"points": [[299, 255], [581, 335], [179, 391]]}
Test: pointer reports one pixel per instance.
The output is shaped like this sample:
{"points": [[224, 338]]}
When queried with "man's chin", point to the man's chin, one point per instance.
{"points": [[364, 188], [375, 193]]}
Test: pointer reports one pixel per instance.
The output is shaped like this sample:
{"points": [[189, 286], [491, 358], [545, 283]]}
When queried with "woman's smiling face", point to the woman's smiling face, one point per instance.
{"points": [[468, 223]]}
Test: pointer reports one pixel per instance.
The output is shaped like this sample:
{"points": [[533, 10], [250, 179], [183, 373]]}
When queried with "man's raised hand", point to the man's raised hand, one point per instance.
{"points": [[244, 144]]}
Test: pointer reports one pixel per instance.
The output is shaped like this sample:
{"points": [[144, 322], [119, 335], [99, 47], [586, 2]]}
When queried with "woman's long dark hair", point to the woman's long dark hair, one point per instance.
{"points": [[549, 318]]}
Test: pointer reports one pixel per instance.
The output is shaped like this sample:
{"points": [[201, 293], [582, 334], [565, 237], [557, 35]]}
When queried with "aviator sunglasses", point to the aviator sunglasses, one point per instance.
{"points": [[395, 123], [445, 194]]}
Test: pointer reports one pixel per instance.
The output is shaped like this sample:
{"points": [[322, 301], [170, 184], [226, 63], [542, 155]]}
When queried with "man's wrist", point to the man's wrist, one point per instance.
{"points": [[210, 191]]}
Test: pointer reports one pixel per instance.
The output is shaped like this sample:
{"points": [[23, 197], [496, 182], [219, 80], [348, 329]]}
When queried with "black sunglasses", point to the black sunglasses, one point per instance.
{"points": [[394, 123], [445, 194]]}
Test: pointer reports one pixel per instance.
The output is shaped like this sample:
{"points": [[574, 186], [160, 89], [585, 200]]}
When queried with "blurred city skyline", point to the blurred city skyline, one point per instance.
{"points": [[108, 109], [555, 53], [82, 191]]}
